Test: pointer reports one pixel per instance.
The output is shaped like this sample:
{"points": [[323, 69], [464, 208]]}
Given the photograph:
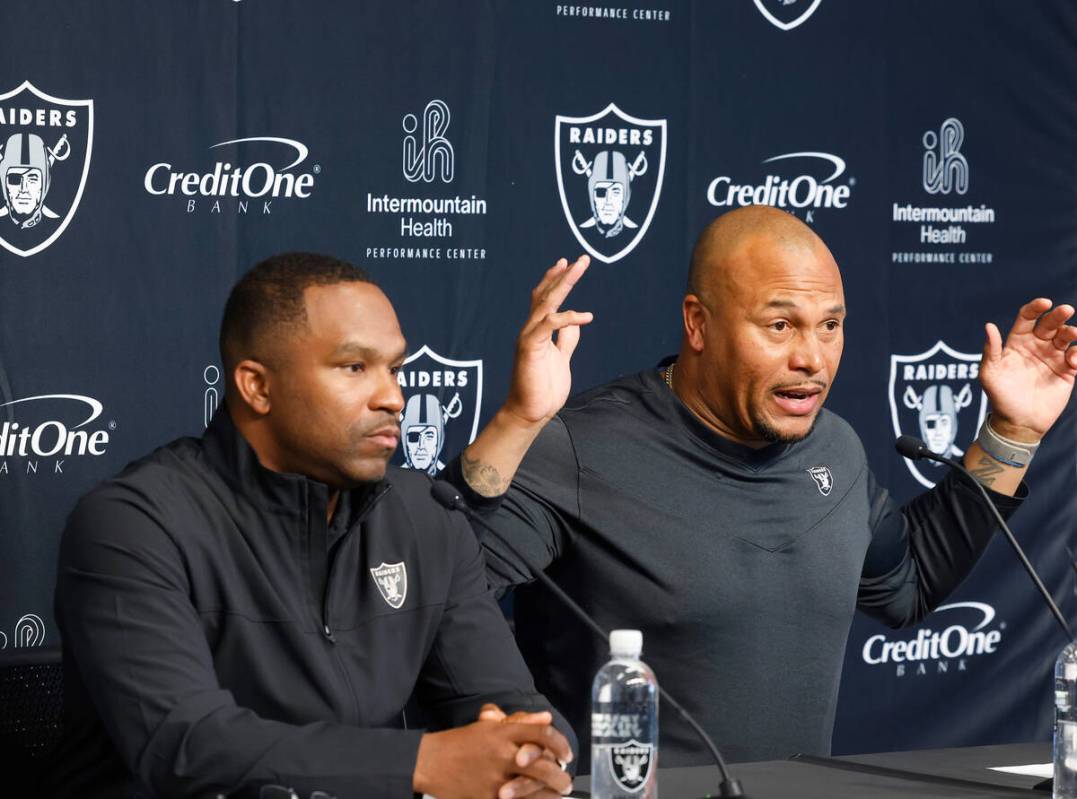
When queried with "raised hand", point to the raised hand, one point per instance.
{"points": [[1029, 380], [541, 381], [541, 377]]}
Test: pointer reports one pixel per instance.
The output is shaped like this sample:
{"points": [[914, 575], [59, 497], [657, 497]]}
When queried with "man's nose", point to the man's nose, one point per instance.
{"points": [[388, 395], [807, 355]]}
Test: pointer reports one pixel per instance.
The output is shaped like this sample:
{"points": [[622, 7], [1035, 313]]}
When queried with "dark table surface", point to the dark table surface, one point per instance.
{"points": [[924, 774]]}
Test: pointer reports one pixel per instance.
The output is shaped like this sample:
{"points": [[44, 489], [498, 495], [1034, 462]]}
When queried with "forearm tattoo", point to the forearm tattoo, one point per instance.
{"points": [[987, 470], [482, 477]]}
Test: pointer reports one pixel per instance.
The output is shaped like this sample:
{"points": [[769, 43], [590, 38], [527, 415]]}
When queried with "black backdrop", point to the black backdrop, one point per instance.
{"points": [[448, 146]]}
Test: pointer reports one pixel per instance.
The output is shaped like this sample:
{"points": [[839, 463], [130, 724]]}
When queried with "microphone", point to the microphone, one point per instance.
{"points": [[447, 496], [915, 449]]}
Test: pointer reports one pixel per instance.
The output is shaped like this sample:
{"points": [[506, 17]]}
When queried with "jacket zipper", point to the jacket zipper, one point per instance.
{"points": [[327, 628]]}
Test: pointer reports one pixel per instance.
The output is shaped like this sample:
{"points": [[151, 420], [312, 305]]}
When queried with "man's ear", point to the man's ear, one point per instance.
{"points": [[695, 321], [251, 380]]}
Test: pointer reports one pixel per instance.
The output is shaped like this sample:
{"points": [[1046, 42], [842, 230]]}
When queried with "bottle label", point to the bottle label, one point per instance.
{"points": [[631, 765], [616, 722]]}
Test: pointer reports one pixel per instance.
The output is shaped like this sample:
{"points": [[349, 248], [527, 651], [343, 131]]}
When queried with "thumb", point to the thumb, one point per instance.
{"points": [[993, 345], [567, 339]]}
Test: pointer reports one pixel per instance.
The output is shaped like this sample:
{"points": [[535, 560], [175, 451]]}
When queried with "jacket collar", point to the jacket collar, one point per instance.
{"points": [[229, 453]]}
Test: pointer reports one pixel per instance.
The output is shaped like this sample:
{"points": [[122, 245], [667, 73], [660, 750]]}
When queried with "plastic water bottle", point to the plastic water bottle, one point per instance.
{"points": [[624, 723], [1065, 780]]}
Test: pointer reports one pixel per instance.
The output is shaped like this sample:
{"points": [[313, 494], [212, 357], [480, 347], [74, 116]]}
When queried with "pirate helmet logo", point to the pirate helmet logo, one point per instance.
{"points": [[42, 141], [441, 410], [823, 478], [787, 14], [392, 582], [631, 765], [928, 393], [620, 156]]}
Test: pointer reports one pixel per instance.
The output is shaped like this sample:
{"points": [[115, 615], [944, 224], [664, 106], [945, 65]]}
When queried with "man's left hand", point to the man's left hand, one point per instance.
{"points": [[526, 755], [1029, 380]]}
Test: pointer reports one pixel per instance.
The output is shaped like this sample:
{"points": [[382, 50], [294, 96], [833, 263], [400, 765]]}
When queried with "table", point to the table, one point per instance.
{"points": [[925, 774]]}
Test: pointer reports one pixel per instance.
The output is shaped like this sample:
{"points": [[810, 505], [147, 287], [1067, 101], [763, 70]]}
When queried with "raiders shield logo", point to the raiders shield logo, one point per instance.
{"points": [[609, 173], [392, 582], [45, 146], [631, 765], [824, 480], [787, 14], [936, 396], [442, 398]]}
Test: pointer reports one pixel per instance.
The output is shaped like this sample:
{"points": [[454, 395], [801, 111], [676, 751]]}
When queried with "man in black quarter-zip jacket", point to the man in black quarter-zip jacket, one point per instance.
{"points": [[256, 607]]}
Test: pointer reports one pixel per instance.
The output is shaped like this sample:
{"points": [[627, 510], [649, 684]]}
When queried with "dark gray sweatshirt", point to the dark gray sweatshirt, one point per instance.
{"points": [[742, 567]]}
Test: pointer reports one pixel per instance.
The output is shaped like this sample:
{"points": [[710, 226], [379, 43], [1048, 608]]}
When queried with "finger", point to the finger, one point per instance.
{"points": [[539, 331], [993, 345], [1027, 316], [1071, 358], [522, 717], [520, 786], [491, 712], [549, 773], [1050, 323], [560, 286], [1065, 336], [567, 339], [547, 737], [528, 754]]}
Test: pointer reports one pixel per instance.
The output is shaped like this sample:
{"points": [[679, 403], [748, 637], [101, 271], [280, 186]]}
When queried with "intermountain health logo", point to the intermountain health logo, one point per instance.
{"points": [[937, 228], [434, 219], [609, 167], [443, 398], [936, 396], [275, 172], [46, 145], [29, 632]]}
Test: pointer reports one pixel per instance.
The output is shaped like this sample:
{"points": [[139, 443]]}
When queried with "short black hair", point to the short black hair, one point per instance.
{"points": [[270, 296]]}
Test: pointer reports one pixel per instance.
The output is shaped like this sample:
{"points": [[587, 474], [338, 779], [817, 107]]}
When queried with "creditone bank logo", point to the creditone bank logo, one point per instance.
{"points": [[971, 632], [801, 181], [45, 147], [609, 167], [275, 172], [787, 14], [41, 433]]}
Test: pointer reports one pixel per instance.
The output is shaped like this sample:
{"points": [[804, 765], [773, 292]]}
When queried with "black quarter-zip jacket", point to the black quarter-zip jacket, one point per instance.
{"points": [[220, 635]]}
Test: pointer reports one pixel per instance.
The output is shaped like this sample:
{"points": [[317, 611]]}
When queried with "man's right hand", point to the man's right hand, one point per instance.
{"points": [[478, 760]]}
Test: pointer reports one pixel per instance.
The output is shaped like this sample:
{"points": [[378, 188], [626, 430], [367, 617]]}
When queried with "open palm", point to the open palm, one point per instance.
{"points": [[1029, 380], [542, 377]]}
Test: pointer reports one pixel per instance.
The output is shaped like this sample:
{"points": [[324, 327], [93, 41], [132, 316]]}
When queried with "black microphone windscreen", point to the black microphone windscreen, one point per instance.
{"points": [[445, 495], [911, 447]]}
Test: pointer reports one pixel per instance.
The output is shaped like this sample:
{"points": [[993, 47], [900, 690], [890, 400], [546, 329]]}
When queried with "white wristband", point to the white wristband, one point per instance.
{"points": [[1012, 453]]}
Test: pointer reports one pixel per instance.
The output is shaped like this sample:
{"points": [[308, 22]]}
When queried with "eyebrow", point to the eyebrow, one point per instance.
{"points": [[354, 348], [836, 309]]}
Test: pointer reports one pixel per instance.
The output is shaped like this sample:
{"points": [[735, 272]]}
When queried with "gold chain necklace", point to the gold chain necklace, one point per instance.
{"points": [[669, 375]]}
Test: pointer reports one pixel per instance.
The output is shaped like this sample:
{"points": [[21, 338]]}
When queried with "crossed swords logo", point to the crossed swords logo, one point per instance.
{"points": [[581, 166], [58, 153]]}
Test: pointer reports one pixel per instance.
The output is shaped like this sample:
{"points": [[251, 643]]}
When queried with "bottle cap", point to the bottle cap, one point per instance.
{"points": [[626, 643]]}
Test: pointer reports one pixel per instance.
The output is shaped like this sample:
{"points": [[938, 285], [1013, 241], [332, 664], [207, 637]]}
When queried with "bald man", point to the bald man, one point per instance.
{"points": [[716, 505]]}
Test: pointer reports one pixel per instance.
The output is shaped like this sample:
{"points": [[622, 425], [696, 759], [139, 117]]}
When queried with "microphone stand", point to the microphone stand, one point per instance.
{"points": [[915, 449], [447, 496]]}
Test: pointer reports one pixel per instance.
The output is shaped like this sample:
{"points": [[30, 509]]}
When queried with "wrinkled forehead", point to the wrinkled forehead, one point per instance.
{"points": [[764, 270]]}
